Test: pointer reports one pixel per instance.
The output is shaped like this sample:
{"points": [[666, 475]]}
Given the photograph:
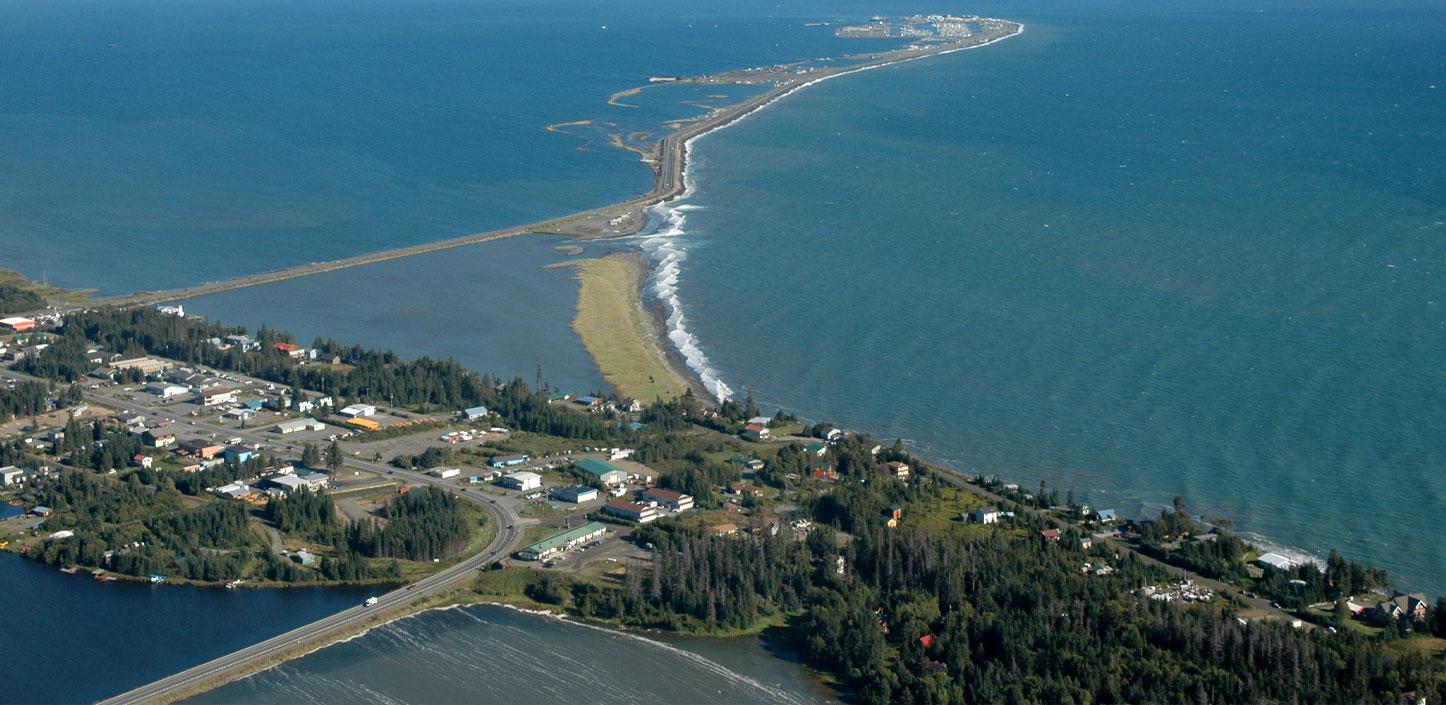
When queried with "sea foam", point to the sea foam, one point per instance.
{"points": [[666, 246]]}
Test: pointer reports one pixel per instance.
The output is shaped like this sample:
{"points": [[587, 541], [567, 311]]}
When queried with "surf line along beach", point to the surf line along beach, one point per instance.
{"points": [[669, 165]]}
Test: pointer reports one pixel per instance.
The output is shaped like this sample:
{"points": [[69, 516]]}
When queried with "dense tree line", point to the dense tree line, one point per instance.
{"points": [[429, 458], [23, 399], [139, 525], [423, 524], [16, 299], [1216, 555], [137, 529], [1014, 620], [696, 581], [96, 446], [903, 615], [305, 513]]}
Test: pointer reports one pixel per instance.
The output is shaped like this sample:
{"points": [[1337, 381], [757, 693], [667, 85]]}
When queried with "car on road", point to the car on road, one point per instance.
{"points": [[370, 601]]}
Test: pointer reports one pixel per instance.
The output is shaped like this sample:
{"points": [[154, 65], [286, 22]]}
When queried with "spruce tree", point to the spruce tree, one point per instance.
{"points": [[333, 460]]}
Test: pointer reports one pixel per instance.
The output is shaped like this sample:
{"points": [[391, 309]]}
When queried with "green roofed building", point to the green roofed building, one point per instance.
{"points": [[565, 541], [606, 473]]}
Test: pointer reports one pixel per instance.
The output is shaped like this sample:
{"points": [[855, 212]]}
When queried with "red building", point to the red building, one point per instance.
{"points": [[18, 324]]}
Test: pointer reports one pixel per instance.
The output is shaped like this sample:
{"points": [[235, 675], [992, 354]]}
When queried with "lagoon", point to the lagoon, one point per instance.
{"points": [[70, 639]]}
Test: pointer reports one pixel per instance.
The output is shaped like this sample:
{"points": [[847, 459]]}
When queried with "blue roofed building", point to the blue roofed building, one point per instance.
{"points": [[508, 461]]}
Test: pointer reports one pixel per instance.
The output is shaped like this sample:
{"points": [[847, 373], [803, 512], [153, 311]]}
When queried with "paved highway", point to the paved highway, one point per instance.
{"points": [[509, 532], [257, 654]]}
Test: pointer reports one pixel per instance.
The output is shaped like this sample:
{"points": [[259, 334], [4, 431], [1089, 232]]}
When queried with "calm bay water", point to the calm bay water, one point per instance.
{"points": [[488, 654], [493, 307], [1140, 255], [69, 639]]}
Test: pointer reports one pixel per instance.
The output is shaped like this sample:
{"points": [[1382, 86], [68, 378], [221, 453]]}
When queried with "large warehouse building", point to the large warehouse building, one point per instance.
{"points": [[606, 473], [565, 541], [522, 480]]}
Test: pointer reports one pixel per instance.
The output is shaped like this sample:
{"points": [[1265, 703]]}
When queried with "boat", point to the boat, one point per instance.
{"points": [[157, 578], [233, 584]]}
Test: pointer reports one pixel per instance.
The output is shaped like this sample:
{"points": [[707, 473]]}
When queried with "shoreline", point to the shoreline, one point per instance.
{"points": [[718, 391]]}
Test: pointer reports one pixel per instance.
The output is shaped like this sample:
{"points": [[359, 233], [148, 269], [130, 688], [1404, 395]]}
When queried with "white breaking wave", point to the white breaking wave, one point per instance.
{"points": [[665, 247]]}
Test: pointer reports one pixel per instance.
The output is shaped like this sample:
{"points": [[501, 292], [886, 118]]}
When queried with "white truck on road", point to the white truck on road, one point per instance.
{"points": [[370, 601]]}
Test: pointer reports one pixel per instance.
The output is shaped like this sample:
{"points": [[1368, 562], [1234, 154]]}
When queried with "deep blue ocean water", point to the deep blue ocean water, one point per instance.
{"points": [[1141, 255]]}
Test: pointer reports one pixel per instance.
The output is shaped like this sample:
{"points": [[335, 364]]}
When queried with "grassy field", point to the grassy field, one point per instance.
{"points": [[616, 332], [534, 444], [941, 515], [51, 293]]}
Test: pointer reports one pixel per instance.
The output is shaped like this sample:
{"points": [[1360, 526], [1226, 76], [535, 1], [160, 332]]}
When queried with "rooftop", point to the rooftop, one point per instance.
{"points": [[561, 540], [596, 468]]}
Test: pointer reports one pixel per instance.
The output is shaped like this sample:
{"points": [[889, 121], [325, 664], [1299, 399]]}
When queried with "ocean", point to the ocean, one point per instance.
{"points": [[486, 654], [1137, 254], [205, 141]]}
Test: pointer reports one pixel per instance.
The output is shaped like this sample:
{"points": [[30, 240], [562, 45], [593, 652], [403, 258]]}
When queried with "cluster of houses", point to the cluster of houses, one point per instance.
{"points": [[212, 392], [1182, 591], [598, 405], [29, 334]]}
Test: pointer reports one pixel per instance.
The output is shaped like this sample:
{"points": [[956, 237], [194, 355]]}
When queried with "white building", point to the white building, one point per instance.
{"points": [[444, 473], [356, 410], [1276, 561], [166, 391], [291, 483], [676, 501], [216, 397], [11, 475], [522, 480], [298, 425], [235, 490]]}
